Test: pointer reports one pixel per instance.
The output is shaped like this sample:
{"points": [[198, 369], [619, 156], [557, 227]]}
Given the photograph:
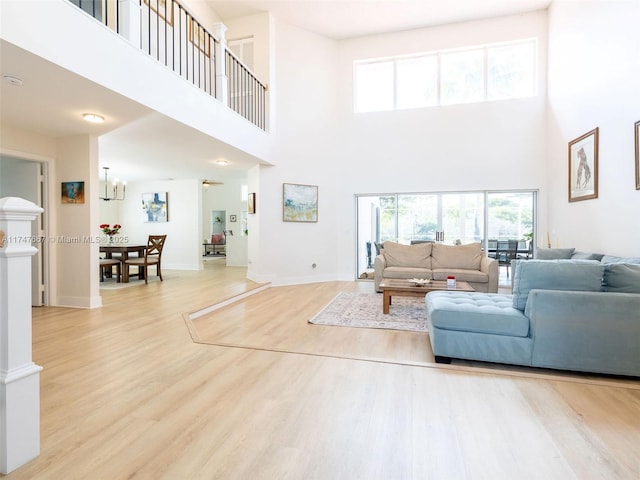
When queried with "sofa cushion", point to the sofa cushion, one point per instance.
{"points": [[475, 276], [586, 256], [398, 255], [622, 278], [554, 253], [612, 259], [576, 275], [406, 272], [476, 312], [465, 257]]}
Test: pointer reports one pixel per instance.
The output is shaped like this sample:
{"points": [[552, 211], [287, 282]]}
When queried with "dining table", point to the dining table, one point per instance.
{"points": [[124, 249]]}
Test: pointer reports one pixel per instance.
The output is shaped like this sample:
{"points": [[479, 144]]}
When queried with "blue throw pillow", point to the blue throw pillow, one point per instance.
{"points": [[622, 278], [576, 275], [554, 253], [587, 256]]}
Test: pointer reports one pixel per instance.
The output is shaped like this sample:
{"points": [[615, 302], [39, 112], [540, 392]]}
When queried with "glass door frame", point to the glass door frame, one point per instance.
{"points": [[440, 194]]}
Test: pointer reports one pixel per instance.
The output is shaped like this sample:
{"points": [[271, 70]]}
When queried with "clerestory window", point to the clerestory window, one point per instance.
{"points": [[477, 74]]}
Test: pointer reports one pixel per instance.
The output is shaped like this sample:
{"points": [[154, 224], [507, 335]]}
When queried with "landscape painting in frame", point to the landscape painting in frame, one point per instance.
{"points": [[72, 192], [155, 207], [299, 203], [583, 167]]}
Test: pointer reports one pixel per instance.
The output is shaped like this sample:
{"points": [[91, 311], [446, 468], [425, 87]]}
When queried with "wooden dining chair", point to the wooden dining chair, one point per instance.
{"points": [[152, 256], [107, 264]]}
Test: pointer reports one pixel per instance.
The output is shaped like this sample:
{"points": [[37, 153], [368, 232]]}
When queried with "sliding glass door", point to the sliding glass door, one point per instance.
{"points": [[450, 218]]}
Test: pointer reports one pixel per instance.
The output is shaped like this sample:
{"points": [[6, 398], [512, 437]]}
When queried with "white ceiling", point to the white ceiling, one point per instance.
{"points": [[135, 141], [341, 19]]}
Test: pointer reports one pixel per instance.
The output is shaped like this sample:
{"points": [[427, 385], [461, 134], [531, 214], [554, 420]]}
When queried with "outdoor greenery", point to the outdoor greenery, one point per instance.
{"points": [[460, 215]]}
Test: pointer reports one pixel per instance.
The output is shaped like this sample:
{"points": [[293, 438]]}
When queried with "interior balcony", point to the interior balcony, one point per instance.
{"points": [[141, 63]]}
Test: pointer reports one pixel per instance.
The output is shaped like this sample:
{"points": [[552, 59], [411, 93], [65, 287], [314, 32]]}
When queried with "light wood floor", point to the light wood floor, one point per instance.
{"points": [[127, 393]]}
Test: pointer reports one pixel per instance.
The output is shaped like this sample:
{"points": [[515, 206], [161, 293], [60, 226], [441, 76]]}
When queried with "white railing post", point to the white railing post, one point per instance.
{"points": [[129, 11], [219, 32], [19, 376]]}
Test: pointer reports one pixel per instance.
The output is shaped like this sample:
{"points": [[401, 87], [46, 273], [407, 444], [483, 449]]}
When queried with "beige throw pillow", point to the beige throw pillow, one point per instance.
{"points": [[398, 255], [456, 256]]}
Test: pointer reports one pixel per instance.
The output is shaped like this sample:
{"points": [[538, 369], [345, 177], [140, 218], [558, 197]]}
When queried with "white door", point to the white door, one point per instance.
{"points": [[25, 179]]}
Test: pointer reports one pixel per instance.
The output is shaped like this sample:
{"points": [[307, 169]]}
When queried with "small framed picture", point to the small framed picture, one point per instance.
{"points": [[233, 218], [73, 192], [637, 137], [251, 203], [155, 207], [583, 167]]}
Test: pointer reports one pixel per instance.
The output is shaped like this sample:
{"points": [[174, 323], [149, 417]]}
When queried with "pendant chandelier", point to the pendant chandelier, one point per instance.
{"points": [[115, 193]]}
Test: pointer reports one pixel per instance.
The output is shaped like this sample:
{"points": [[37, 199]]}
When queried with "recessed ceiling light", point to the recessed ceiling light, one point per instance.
{"points": [[93, 117], [12, 80], [222, 162]]}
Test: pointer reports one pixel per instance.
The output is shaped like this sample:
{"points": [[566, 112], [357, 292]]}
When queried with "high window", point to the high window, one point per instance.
{"points": [[483, 73]]}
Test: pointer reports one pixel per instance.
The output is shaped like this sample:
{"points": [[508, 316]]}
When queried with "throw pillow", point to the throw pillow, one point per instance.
{"points": [[466, 257], [398, 255], [587, 256], [622, 278], [554, 253], [575, 275], [217, 239]]}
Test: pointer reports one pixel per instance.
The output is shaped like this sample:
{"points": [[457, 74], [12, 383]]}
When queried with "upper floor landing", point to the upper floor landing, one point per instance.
{"points": [[133, 57]]}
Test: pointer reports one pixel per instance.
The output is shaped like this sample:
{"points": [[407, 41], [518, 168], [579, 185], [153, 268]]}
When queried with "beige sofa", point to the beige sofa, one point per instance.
{"points": [[434, 260]]}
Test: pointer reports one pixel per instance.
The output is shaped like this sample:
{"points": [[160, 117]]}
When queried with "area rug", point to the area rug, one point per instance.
{"points": [[365, 310]]}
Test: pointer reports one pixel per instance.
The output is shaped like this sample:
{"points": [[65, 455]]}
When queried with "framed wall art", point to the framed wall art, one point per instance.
{"points": [[251, 203], [299, 203], [155, 207], [199, 37], [73, 192], [162, 8], [583, 167], [636, 129]]}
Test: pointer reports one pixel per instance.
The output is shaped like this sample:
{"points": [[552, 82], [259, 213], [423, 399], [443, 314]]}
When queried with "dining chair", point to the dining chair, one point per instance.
{"points": [[525, 250], [107, 264], [492, 246], [152, 256], [506, 251]]}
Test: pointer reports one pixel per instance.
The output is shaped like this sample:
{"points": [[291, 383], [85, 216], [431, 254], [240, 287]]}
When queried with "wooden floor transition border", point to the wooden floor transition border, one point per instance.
{"points": [[623, 382]]}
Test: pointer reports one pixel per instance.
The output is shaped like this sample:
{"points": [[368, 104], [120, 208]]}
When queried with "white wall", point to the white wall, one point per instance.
{"points": [[320, 141], [594, 74], [77, 270], [183, 228], [490, 145], [304, 150]]}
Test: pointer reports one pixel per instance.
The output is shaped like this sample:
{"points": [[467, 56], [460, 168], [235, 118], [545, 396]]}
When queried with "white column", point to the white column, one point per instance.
{"points": [[19, 376], [129, 11], [219, 31]]}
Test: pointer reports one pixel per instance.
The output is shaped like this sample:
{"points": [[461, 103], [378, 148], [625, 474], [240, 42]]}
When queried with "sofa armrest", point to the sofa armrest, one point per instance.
{"points": [[379, 264], [490, 267], [585, 331]]}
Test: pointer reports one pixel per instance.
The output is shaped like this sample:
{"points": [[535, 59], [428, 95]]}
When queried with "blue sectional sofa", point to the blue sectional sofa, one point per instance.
{"points": [[581, 315]]}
